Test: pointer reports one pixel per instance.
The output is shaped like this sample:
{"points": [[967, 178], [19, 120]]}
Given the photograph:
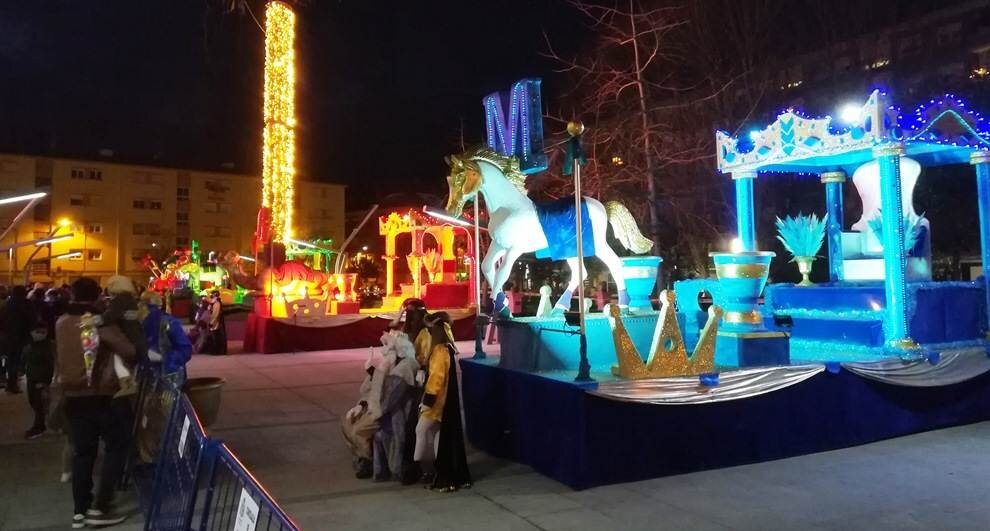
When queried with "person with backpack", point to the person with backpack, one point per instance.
{"points": [[84, 358]]}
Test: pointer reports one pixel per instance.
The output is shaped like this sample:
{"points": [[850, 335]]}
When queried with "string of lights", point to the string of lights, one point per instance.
{"points": [[278, 155]]}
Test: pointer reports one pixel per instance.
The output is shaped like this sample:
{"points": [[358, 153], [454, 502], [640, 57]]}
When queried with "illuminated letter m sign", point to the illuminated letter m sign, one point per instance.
{"points": [[514, 123]]}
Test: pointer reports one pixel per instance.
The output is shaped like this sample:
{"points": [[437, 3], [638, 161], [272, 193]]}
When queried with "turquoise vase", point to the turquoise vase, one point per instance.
{"points": [[741, 279], [640, 274]]}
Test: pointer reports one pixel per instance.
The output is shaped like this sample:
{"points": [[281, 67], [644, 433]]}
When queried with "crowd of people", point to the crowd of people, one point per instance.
{"points": [[406, 426], [78, 348]]}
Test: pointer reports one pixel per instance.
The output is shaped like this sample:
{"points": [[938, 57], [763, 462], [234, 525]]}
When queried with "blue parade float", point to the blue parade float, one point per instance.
{"points": [[878, 351]]}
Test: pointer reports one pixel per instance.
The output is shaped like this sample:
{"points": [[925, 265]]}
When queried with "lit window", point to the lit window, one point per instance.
{"points": [[617, 160]]}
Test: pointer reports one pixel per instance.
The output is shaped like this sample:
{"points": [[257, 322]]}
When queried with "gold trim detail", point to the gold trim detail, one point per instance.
{"points": [[904, 344], [668, 355], [979, 157], [742, 270], [752, 335], [751, 317], [888, 149], [833, 177]]}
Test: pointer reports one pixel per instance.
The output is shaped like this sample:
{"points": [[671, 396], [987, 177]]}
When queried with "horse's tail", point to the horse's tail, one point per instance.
{"points": [[625, 228]]}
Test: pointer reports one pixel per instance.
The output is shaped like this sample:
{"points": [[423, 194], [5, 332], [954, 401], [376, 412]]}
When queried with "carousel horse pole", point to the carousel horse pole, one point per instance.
{"points": [[515, 226]]}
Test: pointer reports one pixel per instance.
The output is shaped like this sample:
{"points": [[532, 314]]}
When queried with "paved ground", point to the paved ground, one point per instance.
{"points": [[280, 414]]}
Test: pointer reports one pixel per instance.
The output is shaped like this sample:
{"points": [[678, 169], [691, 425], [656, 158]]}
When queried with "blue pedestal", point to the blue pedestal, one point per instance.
{"points": [[544, 344], [752, 349]]}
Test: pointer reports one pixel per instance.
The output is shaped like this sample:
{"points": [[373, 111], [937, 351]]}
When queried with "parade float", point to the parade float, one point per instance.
{"points": [[186, 275], [301, 301], [768, 371]]}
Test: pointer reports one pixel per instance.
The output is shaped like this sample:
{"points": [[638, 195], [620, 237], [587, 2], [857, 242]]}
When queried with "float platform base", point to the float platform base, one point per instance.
{"points": [[583, 440]]}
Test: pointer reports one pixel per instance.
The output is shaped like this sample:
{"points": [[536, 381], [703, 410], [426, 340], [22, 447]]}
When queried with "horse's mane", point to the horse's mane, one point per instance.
{"points": [[507, 164]]}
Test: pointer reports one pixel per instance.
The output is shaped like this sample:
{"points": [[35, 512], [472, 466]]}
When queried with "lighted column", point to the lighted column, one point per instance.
{"points": [[745, 214], [894, 255], [981, 160], [833, 181], [390, 258], [278, 156]]}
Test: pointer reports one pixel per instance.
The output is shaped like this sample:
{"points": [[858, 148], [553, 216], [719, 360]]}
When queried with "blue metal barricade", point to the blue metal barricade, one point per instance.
{"points": [[185, 479], [235, 499], [184, 447]]}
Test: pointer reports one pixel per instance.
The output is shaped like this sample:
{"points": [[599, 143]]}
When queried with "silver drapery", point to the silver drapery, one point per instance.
{"points": [[953, 366], [732, 385]]}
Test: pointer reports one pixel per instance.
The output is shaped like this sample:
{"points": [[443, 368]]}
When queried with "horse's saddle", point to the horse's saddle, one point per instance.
{"points": [[558, 220]]}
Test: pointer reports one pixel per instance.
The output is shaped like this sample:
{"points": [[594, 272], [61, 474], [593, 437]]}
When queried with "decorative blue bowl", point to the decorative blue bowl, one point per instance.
{"points": [[640, 274]]}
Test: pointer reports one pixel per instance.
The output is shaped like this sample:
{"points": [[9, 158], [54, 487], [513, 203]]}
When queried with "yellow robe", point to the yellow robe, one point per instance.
{"points": [[436, 384], [423, 342]]}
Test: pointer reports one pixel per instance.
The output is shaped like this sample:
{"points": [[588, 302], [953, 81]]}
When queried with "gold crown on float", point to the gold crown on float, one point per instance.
{"points": [[668, 355]]}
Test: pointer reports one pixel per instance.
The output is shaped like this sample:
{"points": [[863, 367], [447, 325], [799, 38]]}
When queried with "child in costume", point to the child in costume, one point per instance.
{"points": [[440, 413]]}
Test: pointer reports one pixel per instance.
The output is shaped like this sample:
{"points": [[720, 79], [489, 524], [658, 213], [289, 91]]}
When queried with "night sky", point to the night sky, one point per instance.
{"points": [[384, 87]]}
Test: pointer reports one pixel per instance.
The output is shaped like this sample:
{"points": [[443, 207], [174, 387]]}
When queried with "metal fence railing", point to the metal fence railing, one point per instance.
{"points": [[235, 494], [194, 481]]}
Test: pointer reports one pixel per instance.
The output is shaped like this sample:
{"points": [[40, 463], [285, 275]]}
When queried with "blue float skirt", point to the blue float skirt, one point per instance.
{"points": [[558, 222]]}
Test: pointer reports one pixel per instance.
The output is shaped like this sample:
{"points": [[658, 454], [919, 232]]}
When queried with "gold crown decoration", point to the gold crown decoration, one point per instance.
{"points": [[668, 355]]}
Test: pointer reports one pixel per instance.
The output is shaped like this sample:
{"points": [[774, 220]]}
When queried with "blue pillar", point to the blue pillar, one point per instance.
{"points": [[833, 203], [745, 215], [894, 255], [981, 160]]}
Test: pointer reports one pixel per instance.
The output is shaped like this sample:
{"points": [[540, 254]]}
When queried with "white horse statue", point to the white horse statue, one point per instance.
{"points": [[515, 223]]}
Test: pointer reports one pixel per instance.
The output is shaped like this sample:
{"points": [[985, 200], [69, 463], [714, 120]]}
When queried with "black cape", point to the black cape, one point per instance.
{"points": [[451, 465]]}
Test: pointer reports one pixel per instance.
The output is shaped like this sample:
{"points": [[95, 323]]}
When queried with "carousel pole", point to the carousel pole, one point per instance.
{"points": [[480, 320], [575, 129]]}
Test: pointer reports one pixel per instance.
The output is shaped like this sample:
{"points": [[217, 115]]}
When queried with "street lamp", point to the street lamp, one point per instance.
{"points": [[23, 197]]}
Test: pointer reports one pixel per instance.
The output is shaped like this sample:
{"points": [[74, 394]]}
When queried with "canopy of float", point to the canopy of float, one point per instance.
{"points": [[941, 131]]}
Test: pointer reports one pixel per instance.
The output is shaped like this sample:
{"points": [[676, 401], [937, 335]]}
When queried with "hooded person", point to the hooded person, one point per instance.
{"points": [[399, 396], [445, 465], [361, 422]]}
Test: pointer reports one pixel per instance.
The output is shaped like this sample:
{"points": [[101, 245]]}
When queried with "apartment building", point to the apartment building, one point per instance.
{"points": [[118, 213]]}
